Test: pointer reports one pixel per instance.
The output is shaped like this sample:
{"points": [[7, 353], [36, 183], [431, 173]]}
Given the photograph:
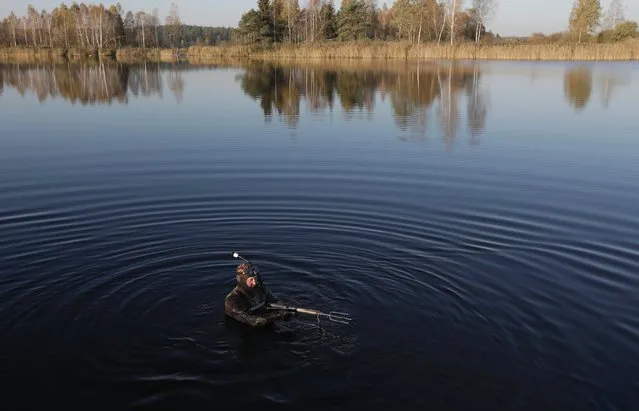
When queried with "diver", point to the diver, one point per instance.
{"points": [[248, 301]]}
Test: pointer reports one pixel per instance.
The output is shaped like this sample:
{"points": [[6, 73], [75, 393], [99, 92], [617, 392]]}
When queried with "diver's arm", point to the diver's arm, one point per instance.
{"points": [[270, 297], [235, 308]]}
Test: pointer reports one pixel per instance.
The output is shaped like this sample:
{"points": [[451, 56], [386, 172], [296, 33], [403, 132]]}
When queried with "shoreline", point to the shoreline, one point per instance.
{"points": [[627, 51], [372, 51]]}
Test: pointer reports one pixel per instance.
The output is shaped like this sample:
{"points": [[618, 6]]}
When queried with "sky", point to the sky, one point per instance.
{"points": [[513, 17]]}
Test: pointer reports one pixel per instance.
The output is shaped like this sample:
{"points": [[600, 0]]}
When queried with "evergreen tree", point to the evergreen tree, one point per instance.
{"points": [[266, 32], [330, 19], [249, 27], [352, 21]]}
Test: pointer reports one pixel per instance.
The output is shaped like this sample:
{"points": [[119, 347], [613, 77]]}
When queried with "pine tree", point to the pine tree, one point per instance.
{"points": [[330, 19], [352, 21], [266, 29]]}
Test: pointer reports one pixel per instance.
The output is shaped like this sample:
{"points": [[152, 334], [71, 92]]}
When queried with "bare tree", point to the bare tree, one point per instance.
{"points": [[141, 19], [291, 12], [445, 6], [455, 7], [13, 22], [614, 15], [484, 11], [155, 19], [174, 24], [33, 18]]}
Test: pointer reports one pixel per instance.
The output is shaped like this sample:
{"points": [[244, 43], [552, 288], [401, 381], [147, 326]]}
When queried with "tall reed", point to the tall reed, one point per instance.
{"points": [[395, 50]]}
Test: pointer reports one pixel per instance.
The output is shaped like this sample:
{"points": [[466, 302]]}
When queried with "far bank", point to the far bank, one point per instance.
{"points": [[626, 51], [125, 55], [623, 51]]}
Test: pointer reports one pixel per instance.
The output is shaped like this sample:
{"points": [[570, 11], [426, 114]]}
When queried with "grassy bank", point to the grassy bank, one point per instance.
{"points": [[137, 54], [126, 55], [625, 51], [24, 54], [394, 50]]}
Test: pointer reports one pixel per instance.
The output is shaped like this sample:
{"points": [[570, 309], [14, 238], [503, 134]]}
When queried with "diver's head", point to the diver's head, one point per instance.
{"points": [[248, 275]]}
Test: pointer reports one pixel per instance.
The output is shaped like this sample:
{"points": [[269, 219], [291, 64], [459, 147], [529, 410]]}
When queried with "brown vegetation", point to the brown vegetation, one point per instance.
{"points": [[137, 54], [396, 50], [26, 54]]}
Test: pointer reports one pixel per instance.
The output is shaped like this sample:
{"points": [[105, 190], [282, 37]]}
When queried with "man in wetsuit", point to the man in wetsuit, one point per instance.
{"points": [[248, 300]]}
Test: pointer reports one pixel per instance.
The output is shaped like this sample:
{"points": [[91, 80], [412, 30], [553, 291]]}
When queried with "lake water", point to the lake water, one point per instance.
{"points": [[478, 221]]}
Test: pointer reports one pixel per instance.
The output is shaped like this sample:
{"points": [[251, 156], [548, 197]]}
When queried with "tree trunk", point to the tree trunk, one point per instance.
{"points": [[26, 32], [452, 23], [35, 38], [80, 36], [580, 31], [13, 30], [441, 32], [419, 36], [86, 34], [50, 35], [66, 34], [143, 36]]}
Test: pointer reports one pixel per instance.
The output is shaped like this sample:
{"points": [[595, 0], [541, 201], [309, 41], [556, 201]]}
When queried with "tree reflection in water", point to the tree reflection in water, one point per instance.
{"points": [[415, 91]]}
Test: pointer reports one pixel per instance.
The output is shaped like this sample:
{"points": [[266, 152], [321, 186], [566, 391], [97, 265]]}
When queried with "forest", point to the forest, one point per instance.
{"points": [[417, 21], [414, 20], [98, 27], [316, 28]]}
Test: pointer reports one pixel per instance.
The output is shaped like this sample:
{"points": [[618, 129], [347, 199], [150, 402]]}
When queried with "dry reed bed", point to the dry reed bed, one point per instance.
{"points": [[26, 54], [393, 50], [138, 54]]}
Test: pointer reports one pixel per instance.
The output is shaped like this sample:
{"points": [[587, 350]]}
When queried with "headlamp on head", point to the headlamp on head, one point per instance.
{"points": [[245, 271]]}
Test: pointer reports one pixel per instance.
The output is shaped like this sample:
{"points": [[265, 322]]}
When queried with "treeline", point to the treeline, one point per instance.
{"points": [[277, 21], [588, 22], [416, 21], [99, 27]]}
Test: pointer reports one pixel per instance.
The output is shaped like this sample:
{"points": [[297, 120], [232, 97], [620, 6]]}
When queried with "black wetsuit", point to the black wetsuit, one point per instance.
{"points": [[248, 305]]}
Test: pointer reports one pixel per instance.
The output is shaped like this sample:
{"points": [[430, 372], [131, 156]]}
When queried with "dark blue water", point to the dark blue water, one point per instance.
{"points": [[479, 223]]}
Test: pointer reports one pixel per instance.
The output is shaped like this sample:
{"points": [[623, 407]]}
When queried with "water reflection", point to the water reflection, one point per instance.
{"points": [[609, 82], [425, 98], [91, 83], [415, 91], [578, 87]]}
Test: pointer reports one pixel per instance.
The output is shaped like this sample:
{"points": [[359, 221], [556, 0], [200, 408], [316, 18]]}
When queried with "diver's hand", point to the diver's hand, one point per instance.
{"points": [[260, 322], [285, 315]]}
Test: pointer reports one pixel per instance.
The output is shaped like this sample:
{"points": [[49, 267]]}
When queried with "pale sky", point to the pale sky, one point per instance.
{"points": [[513, 17]]}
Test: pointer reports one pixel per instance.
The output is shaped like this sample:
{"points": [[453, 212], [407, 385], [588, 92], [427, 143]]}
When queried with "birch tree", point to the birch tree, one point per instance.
{"points": [[614, 15], [455, 6], [141, 19], [12, 20], [174, 24], [484, 11], [33, 18], [291, 12]]}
